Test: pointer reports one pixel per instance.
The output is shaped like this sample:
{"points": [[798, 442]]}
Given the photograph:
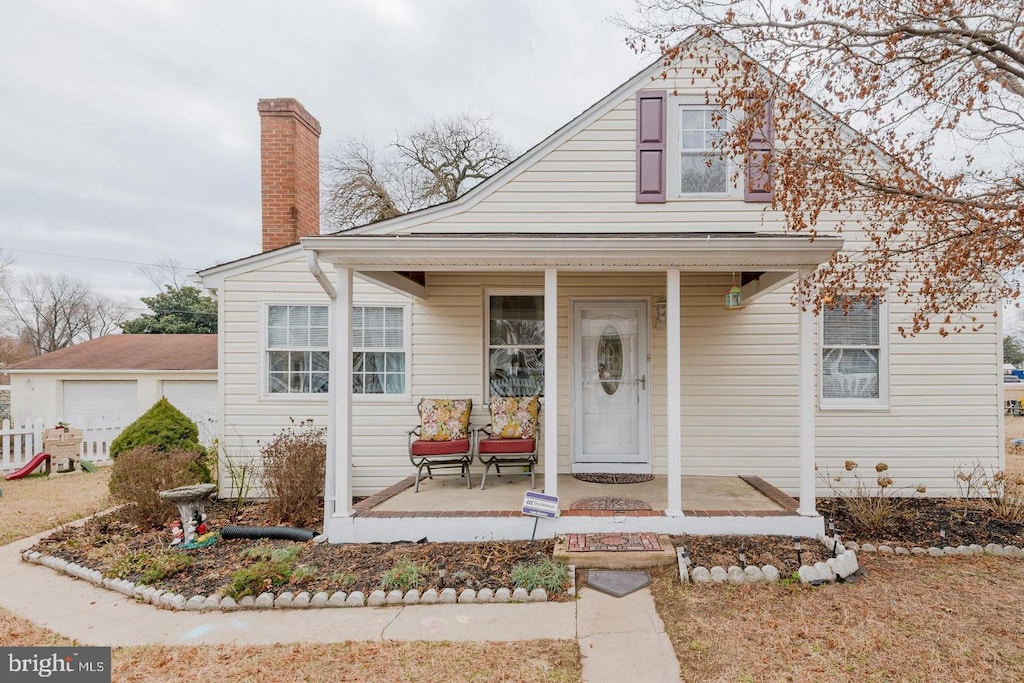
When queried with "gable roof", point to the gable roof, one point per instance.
{"points": [[132, 352]]}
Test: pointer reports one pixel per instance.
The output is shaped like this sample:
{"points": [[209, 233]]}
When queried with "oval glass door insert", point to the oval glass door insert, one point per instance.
{"points": [[609, 358]]}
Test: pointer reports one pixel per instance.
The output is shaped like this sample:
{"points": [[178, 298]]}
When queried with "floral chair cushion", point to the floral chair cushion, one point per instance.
{"points": [[515, 417], [443, 419]]}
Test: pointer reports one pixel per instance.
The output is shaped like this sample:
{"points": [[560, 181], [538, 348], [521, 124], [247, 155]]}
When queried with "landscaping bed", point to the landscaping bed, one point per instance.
{"points": [[923, 522], [241, 567]]}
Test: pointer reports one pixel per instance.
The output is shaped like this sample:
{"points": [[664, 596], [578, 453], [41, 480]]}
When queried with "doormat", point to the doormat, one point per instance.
{"points": [[617, 583], [610, 503], [612, 543], [614, 478]]}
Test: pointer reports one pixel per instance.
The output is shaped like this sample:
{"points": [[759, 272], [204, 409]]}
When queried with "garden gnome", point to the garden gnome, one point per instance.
{"points": [[177, 533]]}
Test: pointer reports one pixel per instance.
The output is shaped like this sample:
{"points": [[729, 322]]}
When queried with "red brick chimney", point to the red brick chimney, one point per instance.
{"points": [[290, 172]]}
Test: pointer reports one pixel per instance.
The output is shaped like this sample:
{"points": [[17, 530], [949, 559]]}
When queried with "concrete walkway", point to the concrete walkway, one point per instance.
{"points": [[618, 637]]}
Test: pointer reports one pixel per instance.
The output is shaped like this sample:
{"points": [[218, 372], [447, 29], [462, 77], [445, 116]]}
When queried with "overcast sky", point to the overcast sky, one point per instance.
{"points": [[130, 132]]}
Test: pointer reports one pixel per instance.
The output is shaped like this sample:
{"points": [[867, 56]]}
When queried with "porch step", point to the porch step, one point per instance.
{"points": [[615, 550]]}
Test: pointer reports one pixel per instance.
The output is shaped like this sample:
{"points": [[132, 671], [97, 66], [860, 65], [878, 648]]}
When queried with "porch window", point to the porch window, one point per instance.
{"points": [[297, 351], [853, 353], [702, 169], [515, 346], [378, 350]]}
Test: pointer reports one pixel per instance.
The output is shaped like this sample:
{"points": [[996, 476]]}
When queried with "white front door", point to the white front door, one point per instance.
{"points": [[610, 386]]}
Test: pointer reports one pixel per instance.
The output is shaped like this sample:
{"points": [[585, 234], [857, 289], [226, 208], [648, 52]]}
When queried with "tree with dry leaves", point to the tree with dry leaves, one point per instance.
{"points": [[901, 119], [53, 312], [434, 163]]}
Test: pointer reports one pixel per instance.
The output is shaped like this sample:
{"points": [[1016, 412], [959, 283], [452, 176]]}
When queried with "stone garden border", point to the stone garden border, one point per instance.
{"points": [[835, 568], [287, 599]]}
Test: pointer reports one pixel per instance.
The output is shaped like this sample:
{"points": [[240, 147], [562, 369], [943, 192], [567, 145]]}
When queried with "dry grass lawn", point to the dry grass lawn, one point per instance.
{"points": [[548, 660], [911, 619], [37, 503]]}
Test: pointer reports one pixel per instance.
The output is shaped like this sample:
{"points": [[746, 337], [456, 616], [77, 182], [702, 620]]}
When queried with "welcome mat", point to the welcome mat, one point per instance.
{"points": [[627, 542], [610, 503], [613, 478]]}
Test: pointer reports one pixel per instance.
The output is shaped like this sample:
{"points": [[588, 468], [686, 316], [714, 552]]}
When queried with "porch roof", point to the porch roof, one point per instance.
{"points": [[573, 251]]}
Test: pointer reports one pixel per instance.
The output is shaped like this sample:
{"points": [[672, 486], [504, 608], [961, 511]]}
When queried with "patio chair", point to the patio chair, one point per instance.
{"points": [[443, 439], [512, 437]]}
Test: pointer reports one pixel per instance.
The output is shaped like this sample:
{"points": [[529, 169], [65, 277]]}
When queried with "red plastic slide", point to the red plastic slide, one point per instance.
{"points": [[31, 466]]}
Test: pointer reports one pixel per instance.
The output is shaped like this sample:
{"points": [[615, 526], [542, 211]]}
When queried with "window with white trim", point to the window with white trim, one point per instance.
{"points": [[852, 352], [379, 350], [702, 168], [515, 345], [297, 349]]}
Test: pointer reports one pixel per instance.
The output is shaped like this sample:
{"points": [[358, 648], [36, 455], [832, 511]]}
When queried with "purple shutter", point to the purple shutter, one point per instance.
{"points": [[650, 146], [760, 176]]}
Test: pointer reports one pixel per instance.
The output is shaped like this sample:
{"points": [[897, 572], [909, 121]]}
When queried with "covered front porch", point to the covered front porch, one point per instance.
{"points": [[581, 282], [445, 509]]}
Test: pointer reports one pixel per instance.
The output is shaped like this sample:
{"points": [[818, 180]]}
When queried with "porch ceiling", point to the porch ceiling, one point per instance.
{"points": [[648, 251]]}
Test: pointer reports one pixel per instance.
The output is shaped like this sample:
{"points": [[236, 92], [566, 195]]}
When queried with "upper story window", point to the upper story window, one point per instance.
{"points": [[379, 352], [297, 349], [702, 169], [853, 355], [515, 345]]}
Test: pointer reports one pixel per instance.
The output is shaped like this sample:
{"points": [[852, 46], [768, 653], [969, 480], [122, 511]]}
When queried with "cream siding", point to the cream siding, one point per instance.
{"points": [[739, 381]]}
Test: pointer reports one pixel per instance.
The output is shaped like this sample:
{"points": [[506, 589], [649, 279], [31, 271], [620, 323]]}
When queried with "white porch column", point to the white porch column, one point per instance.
{"points": [[551, 381], [674, 453], [340, 397], [806, 351]]}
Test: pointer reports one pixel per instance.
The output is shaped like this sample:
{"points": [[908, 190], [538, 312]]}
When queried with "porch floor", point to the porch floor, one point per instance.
{"points": [[702, 496]]}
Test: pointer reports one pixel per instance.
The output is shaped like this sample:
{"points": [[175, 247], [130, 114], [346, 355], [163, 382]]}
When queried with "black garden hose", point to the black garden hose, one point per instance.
{"points": [[286, 533]]}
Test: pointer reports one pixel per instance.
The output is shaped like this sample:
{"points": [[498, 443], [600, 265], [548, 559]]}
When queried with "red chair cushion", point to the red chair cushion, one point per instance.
{"points": [[507, 445], [429, 448]]}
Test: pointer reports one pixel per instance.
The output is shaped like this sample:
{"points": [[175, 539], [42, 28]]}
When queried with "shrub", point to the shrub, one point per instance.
{"points": [[873, 504], [293, 473], [404, 575], [139, 475], [1002, 494], [150, 567], [162, 426], [275, 568], [545, 573]]}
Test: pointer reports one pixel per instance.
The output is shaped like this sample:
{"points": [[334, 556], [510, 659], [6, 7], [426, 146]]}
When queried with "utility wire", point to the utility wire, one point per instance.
{"points": [[98, 258]]}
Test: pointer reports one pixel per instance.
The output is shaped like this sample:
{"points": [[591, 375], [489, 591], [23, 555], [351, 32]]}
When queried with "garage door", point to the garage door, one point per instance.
{"points": [[198, 400], [91, 404]]}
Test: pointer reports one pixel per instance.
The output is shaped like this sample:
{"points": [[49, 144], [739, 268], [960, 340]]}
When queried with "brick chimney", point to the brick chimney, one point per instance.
{"points": [[290, 172]]}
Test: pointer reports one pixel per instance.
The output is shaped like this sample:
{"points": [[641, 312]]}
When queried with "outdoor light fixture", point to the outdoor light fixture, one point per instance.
{"points": [[942, 537], [743, 557], [442, 571], [660, 312], [734, 297], [684, 557], [798, 547]]}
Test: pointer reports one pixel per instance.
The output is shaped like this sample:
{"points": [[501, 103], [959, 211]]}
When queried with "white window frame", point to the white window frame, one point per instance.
{"points": [[880, 403], [486, 351], [265, 350], [406, 348], [673, 151]]}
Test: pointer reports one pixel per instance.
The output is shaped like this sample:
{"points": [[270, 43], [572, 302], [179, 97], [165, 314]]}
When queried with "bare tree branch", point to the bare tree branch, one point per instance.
{"points": [[434, 163]]}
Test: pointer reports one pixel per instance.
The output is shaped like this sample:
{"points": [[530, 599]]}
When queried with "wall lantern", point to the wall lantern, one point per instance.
{"points": [[660, 312], [734, 297]]}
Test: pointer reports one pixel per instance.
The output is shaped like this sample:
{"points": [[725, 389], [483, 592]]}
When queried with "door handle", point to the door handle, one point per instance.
{"points": [[642, 382]]}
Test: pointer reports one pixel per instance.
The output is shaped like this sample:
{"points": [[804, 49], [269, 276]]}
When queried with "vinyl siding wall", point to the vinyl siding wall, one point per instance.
{"points": [[739, 404]]}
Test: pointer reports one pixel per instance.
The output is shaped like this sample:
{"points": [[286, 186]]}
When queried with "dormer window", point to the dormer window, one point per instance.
{"points": [[702, 169]]}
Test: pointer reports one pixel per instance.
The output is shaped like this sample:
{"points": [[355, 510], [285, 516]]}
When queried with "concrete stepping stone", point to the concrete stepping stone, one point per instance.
{"points": [[617, 583]]}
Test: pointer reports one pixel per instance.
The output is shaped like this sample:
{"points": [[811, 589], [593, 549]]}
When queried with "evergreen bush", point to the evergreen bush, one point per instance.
{"points": [[165, 428]]}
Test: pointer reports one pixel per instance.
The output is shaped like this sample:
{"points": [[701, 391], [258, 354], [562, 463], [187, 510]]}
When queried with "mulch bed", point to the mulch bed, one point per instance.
{"points": [[925, 522], [103, 542]]}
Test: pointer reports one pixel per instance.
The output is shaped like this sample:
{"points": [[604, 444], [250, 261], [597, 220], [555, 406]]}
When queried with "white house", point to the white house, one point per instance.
{"points": [[611, 231]]}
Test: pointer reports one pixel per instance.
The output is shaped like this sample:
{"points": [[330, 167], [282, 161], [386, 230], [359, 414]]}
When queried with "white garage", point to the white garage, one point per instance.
{"points": [[91, 404]]}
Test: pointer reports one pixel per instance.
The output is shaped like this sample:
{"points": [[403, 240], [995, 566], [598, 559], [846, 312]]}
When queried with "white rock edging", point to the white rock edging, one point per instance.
{"points": [[288, 600], [834, 569]]}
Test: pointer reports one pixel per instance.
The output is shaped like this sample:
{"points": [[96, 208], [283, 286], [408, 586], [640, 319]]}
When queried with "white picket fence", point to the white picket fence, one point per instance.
{"points": [[20, 443]]}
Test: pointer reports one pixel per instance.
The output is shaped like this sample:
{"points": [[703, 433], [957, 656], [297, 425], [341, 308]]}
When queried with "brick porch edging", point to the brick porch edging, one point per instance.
{"points": [[288, 600], [771, 493]]}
